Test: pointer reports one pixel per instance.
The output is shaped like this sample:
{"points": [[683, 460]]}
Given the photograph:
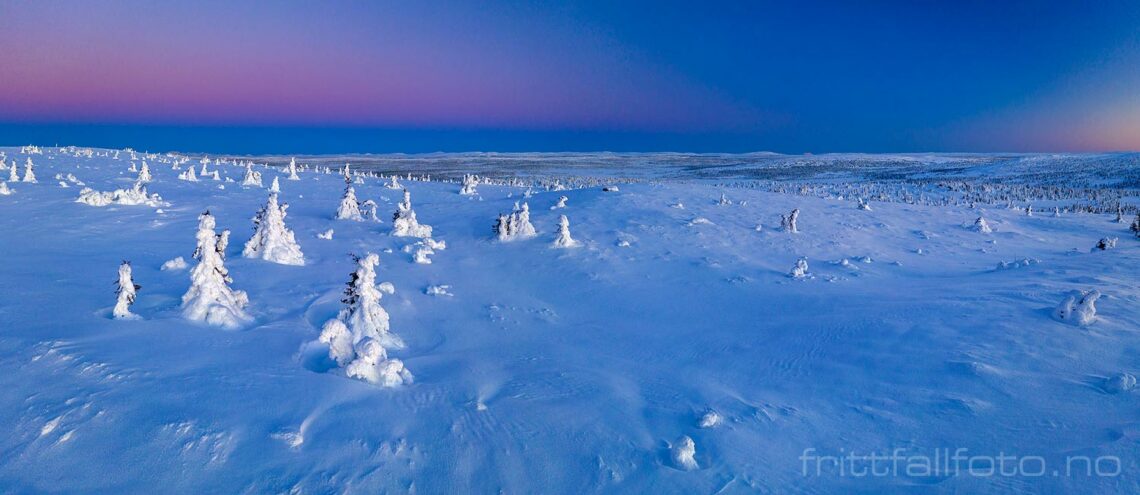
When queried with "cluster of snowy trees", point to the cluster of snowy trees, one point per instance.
{"points": [[404, 223], [516, 225]]}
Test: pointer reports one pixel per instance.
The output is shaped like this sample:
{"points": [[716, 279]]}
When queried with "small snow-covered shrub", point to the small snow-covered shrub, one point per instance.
{"points": [[1078, 308], [800, 269], [562, 239], [438, 290], [560, 204], [327, 235], [1105, 243], [788, 222], [404, 223], [349, 208], [393, 183], [252, 177], [126, 289], [373, 365], [4, 190], [188, 175], [136, 195], [980, 225]]}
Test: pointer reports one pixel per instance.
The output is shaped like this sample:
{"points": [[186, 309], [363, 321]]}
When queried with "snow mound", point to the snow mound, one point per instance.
{"points": [[684, 454], [136, 195], [1079, 308]]}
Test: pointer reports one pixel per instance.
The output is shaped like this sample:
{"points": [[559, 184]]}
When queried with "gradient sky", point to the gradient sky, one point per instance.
{"points": [[341, 76]]}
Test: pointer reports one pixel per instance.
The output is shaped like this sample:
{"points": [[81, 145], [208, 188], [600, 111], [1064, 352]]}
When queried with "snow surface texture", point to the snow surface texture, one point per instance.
{"points": [[563, 371]]}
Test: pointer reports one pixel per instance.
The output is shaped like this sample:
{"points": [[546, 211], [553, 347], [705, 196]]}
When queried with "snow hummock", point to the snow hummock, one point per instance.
{"points": [[1078, 308], [210, 298], [560, 204], [252, 178], [175, 264], [683, 454], [980, 225], [272, 240]]}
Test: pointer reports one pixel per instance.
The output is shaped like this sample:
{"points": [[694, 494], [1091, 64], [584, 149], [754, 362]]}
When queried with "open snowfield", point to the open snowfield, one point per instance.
{"points": [[551, 370]]}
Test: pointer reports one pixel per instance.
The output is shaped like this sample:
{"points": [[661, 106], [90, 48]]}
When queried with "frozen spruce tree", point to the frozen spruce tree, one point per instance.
{"points": [[362, 313], [1135, 227], [1119, 214], [14, 173], [126, 290], [560, 204], [349, 208], [516, 225], [144, 173], [393, 183], [404, 223], [358, 337], [252, 177], [4, 191], [275, 186], [211, 299], [292, 169], [272, 240], [29, 173], [788, 222], [1079, 308], [470, 181], [188, 175], [563, 239]]}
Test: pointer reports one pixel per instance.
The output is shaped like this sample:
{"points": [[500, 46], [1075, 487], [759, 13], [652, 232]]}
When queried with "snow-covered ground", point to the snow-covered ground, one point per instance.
{"points": [[670, 351]]}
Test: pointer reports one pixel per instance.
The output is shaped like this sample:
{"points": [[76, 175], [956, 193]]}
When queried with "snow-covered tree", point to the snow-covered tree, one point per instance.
{"points": [[563, 239], [275, 186], [349, 208], [516, 225], [1029, 210], [560, 204], [982, 226], [292, 169], [470, 181], [126, 289], [272, 240], [4, 190], [404, 223], [144, 173], [252, 177], [368, 210], [393, 183], [29, 173], [723, 201], [1135, 227], [362, 313], [788, 222], [210, 298], [1079, 308], [1119, 214], [14, 173]]}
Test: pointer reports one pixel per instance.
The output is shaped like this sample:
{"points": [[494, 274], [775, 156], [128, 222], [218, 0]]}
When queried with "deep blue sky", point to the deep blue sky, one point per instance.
{"points": [[297, 76]]}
